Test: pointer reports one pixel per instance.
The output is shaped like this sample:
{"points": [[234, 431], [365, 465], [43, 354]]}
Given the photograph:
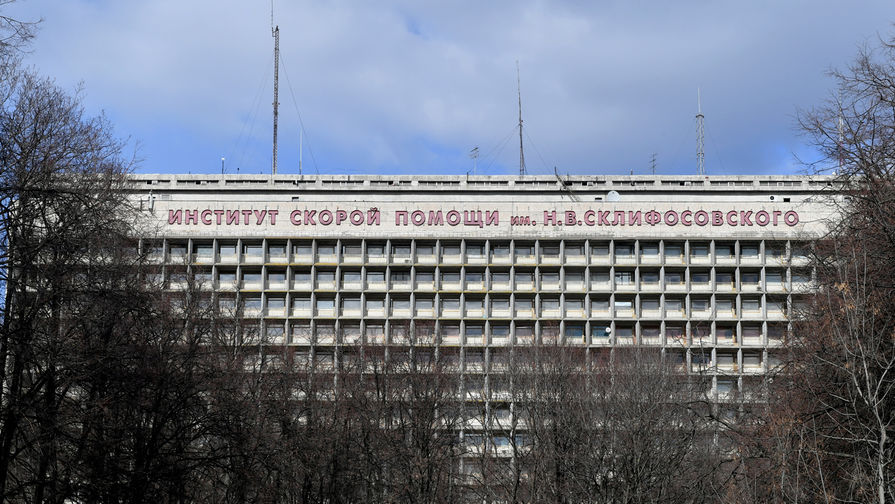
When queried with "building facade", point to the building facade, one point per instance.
{"points": [[709, 269]]}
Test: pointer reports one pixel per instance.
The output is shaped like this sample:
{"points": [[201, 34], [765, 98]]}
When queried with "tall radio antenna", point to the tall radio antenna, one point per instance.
{"points": [[275, 32], [700, 135], [521, 150]]}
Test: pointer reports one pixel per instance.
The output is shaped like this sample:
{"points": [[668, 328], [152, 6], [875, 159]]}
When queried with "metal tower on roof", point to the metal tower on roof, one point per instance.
{"points": [[700, 135], [521, 150], [275, 32]]}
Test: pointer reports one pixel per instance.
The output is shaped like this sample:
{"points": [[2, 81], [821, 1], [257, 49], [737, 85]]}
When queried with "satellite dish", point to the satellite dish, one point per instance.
{"points": [[608, 330], [613, 196]]}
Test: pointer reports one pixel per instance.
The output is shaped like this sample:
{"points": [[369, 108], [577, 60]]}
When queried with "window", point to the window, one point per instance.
{"points": [[502, 278], [450, 250], [500, 304], [699, 277], [276, 251], [301, 303], [325, 304], [649, 277], [574, 277], [749, 277], [204, 251], [524, 280], [326, 249], [251, 278], [474, 278], [674, 278], [253, 303], [724, 279], [500, 331], [401, 250], [725, 250], [725, 306], [350, 278], [599, 304], [276, 303], [575, 304], [524, 332], [549, 305], [302, 251], [524, 250], [649, 304], [523, 305], [600, 330], [450, 277], [375, 249], [699, 304], [674, 304], [475, 250], [425, 277], [400, 277], [624, 249], [551, 277], [400, 304], [351, 304], [551, 251], [574, 249], [749, 250], [673, 250], [599, 249], [375, 277], [575, 332], [227, 250], [624, 277], [351, 250], [500, 250], [649, 249], [425, 250], [450, 304], [227, 278], [700, 250], [326, 278], [375, 304], [276, 277], [302, 278], [424, 304], [751, 305], [601, 276]]}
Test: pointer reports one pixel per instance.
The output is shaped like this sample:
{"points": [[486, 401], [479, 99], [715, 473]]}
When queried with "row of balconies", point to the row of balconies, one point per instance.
{"points": [[601, 334], [602, 253], [426, 308], [227, 281]]}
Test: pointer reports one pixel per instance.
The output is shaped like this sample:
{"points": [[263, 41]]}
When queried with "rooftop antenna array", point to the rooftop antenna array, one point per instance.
{"points": [[700, 135], [474, 154], [521, 150], [275, 33]]}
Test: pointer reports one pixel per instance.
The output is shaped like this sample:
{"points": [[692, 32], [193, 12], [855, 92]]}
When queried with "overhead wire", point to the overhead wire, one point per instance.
{"points": [[256, 105], [300, 121]]}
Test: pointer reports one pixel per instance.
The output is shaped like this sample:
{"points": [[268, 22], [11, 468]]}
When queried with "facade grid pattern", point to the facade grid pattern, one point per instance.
{"points": [[719, 307]]}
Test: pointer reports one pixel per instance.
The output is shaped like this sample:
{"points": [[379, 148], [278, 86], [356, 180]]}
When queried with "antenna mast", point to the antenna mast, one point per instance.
{"points": [[521, 150], [275, 32], [700, 135]]}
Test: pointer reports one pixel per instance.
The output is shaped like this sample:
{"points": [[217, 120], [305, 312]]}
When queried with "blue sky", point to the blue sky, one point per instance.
{"points": [[409, 87]]}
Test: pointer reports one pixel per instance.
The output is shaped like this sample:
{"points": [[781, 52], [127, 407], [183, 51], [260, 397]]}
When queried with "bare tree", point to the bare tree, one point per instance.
{"points": [[841, 391]]}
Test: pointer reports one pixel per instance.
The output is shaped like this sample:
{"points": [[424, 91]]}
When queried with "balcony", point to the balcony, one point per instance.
{"points": [[650, 286], [675, 286], [625, 259]]}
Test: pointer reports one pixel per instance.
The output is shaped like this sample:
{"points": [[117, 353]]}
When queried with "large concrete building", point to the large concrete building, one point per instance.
{"points": [[709, 269]]}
